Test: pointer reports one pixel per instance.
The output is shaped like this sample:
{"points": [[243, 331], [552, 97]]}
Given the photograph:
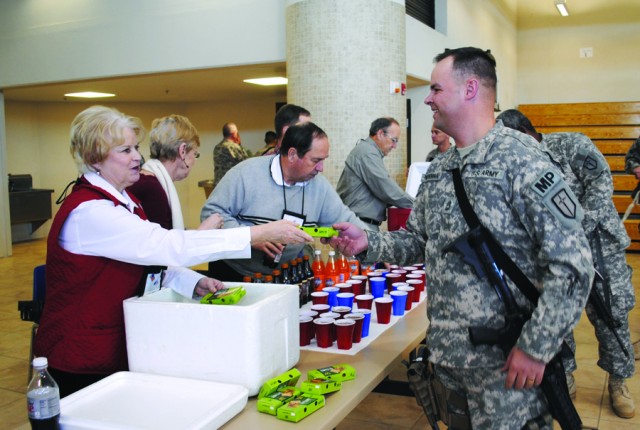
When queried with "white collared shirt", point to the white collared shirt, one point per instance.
{"points": [[99, 228], [276, 174]]}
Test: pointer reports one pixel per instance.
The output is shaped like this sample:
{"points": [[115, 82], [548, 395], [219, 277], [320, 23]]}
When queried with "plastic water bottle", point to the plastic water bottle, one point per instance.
{"points": [[43, 398]]}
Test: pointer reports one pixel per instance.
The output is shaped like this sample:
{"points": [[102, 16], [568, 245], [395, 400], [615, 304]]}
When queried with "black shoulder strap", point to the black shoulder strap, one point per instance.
{"points": [[504, 262]]}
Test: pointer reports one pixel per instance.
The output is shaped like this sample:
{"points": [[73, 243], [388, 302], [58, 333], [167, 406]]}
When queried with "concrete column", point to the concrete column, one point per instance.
{"points": [[5, 222], [341, 57]]}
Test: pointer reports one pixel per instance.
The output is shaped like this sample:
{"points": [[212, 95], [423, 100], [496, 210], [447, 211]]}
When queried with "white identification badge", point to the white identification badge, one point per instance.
{"points": [[153, 283]]}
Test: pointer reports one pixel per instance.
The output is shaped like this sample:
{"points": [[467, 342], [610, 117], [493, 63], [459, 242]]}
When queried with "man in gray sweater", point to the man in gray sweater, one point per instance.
{"points": [[287, 185], [365, 185]]}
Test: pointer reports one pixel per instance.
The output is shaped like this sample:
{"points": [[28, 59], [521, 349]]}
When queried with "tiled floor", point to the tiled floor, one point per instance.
{"points": [[376, 412]]}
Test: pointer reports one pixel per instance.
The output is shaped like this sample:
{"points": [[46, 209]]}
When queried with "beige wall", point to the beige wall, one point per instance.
{"points": [[480, 23], [551, 71], [76, 39], [38, 141]]}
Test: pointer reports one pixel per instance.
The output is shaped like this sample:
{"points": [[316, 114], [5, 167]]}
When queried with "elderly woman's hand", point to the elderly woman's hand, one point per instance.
{"points": [[214, 221], [282, 231], [207, 285]]}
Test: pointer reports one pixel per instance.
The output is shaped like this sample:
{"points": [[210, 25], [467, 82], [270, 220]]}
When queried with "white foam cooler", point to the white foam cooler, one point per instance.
{"points": [[246, 343]]}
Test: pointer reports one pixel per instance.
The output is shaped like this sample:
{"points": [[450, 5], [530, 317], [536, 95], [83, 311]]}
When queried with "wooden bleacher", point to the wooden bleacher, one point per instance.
{"points": [[612, 127]]}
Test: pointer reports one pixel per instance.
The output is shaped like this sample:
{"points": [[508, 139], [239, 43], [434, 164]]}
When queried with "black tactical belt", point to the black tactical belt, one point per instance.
{"points": [[371, 221]]}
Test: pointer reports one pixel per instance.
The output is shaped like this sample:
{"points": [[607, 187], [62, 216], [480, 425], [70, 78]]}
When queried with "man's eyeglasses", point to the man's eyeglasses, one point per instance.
{"points": [[393, 139], [197, 154]]}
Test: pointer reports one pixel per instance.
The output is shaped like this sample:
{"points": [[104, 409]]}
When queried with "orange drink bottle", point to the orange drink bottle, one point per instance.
{"points": [[331, 271], [344, 271], [318, 271]]}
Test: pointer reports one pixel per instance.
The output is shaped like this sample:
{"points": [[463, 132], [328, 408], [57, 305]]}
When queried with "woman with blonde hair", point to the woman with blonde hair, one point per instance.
{"points": [[102, 250]]}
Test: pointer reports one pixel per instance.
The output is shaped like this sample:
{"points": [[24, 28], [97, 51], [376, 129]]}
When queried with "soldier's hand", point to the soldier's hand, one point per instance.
{"points": [[351, 240], [523, 371]]}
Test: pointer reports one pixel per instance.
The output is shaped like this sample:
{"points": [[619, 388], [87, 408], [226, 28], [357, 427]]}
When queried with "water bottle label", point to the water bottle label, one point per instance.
{"points": [[43, 408]]}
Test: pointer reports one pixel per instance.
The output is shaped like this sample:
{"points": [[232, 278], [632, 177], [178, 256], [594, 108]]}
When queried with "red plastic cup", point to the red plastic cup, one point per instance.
{"points": [[364, 301], [410, 293], [344, 332], [383, 309], [320, 297], [321, 308], [363, 278], [357, 331], [418, 285], [395, 285], [402, 273], [341, 310], [392, 278], [409, 269], [323, 326], [345, 287], [306, 330], [357, 285], [423, 274]]}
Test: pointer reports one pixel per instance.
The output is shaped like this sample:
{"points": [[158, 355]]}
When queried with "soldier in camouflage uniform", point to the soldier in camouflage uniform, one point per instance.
{"points": [[632, 167], [227, 153], [517, 194], [588, 175], [632, 159]]}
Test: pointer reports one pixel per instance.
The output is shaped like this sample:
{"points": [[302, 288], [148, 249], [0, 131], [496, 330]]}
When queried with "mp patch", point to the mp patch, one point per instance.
{"points": [[543, 185], [559, 199]]}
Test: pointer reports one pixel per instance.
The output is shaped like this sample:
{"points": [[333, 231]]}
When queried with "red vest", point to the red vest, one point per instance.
{"points": [[82, 325]]}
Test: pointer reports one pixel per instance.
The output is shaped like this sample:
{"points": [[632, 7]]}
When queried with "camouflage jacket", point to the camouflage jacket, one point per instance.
{"points": [[226, 154], [520, 196], [588, 175], [632, 159]]}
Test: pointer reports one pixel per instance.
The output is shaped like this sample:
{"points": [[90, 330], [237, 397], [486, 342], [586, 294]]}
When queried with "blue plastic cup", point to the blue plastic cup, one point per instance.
{"points": [[333, 292], [377, 286], [366, 322], [345, 299], [399, 302]]}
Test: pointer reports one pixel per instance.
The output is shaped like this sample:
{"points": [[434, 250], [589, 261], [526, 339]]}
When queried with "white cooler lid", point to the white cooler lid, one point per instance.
{"points": [[145, 401]]}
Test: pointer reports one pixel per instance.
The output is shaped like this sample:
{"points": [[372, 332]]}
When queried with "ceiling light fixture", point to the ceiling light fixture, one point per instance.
{"points": [[561, 5], [89, 95], [276, 80]]}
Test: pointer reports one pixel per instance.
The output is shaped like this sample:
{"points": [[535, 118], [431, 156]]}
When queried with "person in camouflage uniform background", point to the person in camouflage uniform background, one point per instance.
{"points": [[520, 196], [227, 153], [632, 159], [588, 175]]}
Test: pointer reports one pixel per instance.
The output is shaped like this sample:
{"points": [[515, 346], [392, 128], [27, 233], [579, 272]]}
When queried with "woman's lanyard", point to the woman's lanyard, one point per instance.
{"points": [[284, 196]]}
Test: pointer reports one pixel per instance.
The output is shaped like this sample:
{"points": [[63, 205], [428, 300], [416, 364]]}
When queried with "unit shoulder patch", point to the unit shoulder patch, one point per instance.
{"points": [[559, 199]]}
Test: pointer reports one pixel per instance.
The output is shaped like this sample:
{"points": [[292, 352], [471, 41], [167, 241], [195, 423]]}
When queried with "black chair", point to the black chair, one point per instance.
{"points": [[31, 310]]}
